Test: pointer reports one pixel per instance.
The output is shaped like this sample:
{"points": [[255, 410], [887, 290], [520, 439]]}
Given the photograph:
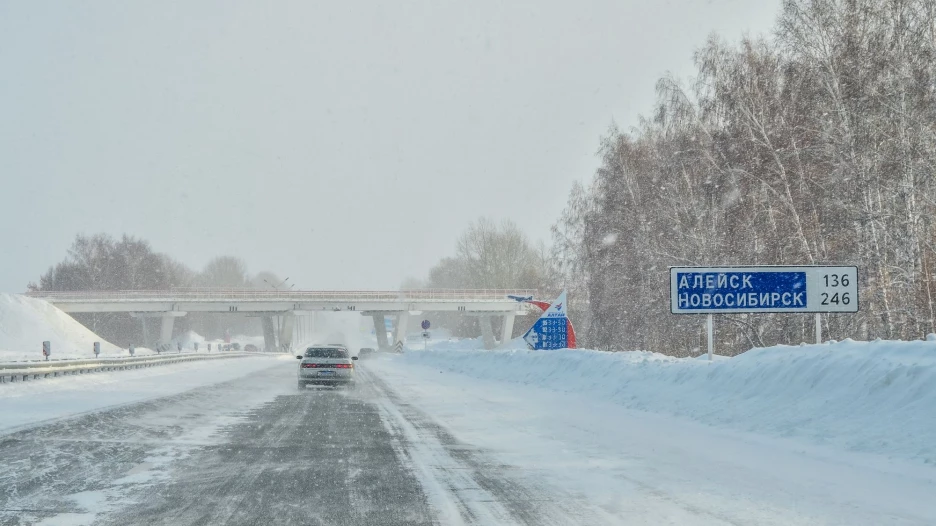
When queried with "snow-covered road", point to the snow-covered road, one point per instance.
{"points": [[413, 443]]}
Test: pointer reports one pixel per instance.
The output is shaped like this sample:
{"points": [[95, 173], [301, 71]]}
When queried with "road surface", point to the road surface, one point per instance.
{"points": [[256, 451], [410, 446]]}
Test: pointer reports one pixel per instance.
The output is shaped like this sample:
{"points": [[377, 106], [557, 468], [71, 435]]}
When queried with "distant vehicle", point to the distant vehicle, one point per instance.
{"points": [[235, 346], [251, 348], [326, 365], [366, 352]]}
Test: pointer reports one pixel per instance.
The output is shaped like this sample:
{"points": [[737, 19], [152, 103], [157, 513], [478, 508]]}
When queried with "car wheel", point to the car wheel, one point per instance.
{"points": [[302, 385]]}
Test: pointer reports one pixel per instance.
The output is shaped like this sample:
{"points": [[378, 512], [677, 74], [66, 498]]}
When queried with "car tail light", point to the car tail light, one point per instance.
{"points": [[309, 365], [343, 366]]}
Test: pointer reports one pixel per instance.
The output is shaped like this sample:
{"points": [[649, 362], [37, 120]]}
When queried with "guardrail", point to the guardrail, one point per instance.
{"points": [[213, 294], [17, 372]]}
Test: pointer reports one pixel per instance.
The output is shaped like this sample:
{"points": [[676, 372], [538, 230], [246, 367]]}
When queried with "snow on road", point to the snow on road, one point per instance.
{"points": [[838, 434], [81, 470], [559, 425], [26, 404]]}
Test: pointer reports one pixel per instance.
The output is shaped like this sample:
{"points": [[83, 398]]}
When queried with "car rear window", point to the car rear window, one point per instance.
{"points": [[313, 352]]}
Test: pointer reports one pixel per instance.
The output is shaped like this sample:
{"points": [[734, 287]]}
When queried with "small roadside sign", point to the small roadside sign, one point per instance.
{"points": [[425, 325]]}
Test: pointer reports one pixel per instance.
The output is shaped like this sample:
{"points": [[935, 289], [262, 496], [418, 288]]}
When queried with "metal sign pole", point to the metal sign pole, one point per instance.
{"points": [[710, 336], [818, 328]]}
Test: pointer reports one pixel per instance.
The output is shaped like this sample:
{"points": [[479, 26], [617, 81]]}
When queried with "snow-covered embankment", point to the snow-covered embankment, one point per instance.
{"points": [[875, 397]]}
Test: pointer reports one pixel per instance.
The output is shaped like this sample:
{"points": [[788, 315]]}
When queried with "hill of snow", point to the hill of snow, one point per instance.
{"points": [[26, 322]]}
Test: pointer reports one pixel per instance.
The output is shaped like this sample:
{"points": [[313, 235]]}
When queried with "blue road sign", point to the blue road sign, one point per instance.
{"points": [[425, 325], [551, 330], [697, 290], [548, 333]]}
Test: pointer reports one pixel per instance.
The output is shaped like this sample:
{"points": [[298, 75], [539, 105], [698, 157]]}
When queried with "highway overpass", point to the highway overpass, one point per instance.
{"points": [[292, 304]]}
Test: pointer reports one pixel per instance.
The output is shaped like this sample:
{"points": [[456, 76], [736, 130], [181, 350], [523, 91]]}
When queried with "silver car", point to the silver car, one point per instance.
{"points": [[326, 365]]}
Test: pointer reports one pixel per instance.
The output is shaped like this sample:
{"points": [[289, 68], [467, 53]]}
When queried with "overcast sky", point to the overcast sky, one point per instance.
{"points": [[342, 144]]}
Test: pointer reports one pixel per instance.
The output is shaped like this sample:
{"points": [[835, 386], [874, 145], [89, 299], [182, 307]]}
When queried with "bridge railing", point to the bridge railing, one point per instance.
{"points": [[242, 294]]}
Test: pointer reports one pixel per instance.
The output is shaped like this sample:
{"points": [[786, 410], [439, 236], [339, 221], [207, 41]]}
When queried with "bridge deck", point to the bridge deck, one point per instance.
{"points": [[252, 300]]}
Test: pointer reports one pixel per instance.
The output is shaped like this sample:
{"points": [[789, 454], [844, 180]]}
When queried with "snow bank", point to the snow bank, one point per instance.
{"points": [[26, 322], [877, 397], [188, 338]]}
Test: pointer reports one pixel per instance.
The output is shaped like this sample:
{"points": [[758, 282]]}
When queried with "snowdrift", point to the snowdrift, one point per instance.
{"points": [[877, 397], [26, 322]]}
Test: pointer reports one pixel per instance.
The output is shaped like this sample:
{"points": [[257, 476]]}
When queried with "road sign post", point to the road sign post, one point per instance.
{"points": [[733, 290], [710, 325], [818, 328], [47, 349], [97, 349]]}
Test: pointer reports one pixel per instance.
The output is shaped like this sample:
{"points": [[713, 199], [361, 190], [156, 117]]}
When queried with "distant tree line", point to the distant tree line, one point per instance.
{"points": [[101, 262], [489, 255], [817, 146], [814, 146]]}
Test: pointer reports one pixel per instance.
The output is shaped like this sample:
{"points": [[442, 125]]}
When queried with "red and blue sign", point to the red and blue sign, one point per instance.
{"points": [[553, 330]]}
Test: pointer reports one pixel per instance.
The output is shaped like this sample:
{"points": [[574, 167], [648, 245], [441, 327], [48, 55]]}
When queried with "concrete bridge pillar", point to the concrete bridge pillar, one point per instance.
{"points": [[167, 320], [399, 332], [286, 332], [487, 332], [165, 330], [507, 328], [269, 333], [380, 329]]}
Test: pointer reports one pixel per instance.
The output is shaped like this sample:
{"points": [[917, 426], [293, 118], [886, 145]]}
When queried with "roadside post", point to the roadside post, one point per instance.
{"points": [[47, 349], [425, 327], [818, 328], [737, 290], [132, 350], [209, 346], [195, 346], [710, 329], [97, 349]]}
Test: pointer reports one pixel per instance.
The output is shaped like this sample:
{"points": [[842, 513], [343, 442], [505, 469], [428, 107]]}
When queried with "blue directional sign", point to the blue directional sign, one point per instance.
{"points": [[551, 330], [708, 290]]}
